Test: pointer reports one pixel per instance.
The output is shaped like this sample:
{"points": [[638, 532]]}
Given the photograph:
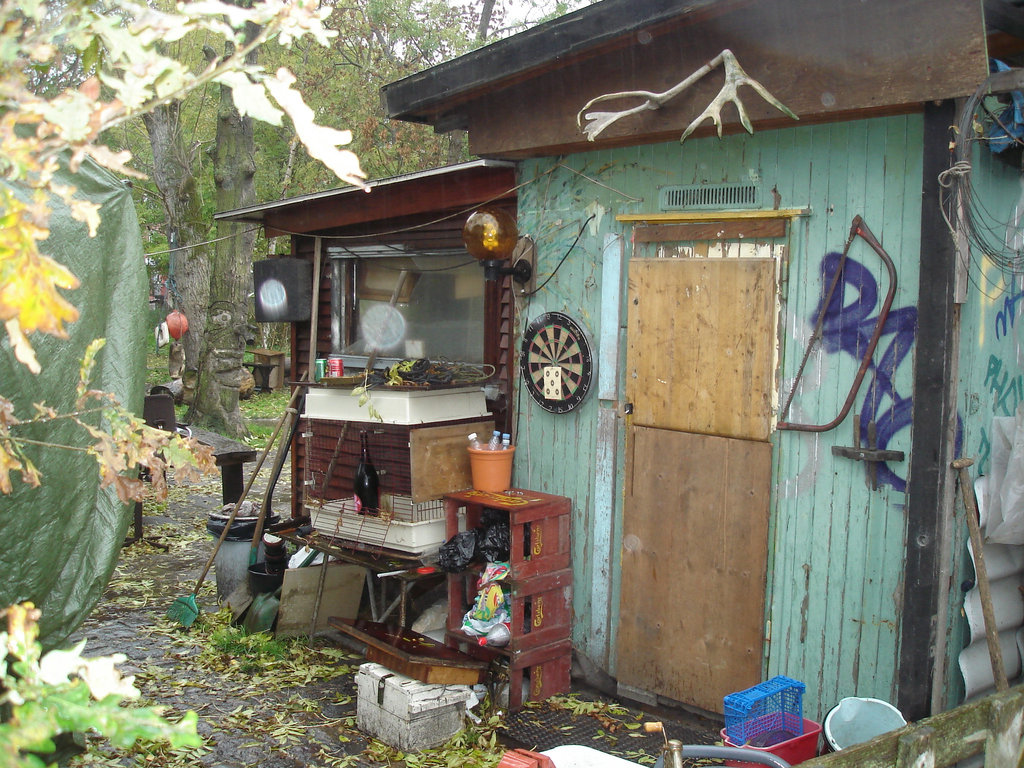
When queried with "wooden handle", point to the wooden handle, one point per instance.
{"points": [[988, 613], [245, 491]]}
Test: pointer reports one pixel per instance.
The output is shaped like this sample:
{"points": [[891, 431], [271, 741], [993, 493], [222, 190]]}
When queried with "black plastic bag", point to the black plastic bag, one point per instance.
{"points": [[495, 543], [494, 537], [458, 552]]}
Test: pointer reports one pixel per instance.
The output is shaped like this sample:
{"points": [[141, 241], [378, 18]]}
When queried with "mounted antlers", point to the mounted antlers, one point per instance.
{"points": [[734, 78]]}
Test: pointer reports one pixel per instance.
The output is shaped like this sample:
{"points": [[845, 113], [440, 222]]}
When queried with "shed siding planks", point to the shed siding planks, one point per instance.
{"points": [[836, 547], [991, 379]]}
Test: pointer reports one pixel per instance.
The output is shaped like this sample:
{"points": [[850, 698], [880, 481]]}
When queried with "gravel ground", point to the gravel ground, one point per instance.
{"points": [[280, 704]]}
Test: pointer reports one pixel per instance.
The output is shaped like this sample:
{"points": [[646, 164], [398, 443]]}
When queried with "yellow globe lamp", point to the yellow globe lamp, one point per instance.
{"points": [[490, 236]]}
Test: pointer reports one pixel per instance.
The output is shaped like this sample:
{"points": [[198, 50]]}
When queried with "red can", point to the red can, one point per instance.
{"points": [[335, 367]]}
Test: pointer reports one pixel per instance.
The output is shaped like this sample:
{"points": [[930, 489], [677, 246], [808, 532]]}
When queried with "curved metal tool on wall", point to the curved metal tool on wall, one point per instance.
{"points": [[871, 455], [858, 228]]}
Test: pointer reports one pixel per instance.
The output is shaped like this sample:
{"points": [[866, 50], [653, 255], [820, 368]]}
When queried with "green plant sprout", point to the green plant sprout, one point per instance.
{"points": [[63, 692]]}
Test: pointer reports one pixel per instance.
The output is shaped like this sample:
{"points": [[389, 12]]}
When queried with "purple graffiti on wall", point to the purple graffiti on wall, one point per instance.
{"points": [[847, 327]]}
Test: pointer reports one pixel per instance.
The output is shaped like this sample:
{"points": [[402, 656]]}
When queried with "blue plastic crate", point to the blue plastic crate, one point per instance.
{"points": [[773, 706]]}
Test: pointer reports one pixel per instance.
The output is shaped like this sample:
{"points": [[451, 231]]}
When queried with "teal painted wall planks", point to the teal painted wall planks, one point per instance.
{"points": [[836, 546]]}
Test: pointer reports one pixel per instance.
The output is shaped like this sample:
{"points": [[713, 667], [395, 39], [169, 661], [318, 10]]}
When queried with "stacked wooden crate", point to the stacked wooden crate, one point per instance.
{"points": [[539, 585]]}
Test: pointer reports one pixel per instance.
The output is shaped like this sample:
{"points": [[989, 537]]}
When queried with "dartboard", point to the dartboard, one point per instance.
{"points": [[556, 362]]}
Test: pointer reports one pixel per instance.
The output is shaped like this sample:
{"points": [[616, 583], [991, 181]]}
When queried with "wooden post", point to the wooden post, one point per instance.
{"points": [[1003, 745], [916, 748], [995, 652], [314, 313]]}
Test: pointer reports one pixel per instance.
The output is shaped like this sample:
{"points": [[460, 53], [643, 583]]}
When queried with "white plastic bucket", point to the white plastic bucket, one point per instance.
{"points": [[231, 566], [855, 720]]}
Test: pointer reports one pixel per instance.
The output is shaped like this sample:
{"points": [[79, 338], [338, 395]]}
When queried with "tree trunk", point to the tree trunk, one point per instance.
{"points": [[174, 174], [484, 27], [457, 138], [234, 167]]}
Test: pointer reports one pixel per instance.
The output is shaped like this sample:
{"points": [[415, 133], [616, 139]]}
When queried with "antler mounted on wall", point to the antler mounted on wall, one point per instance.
{"points": [[734, 78]]}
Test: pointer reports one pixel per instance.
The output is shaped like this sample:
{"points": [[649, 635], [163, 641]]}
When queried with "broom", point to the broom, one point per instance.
{"points": [[185, 610]]}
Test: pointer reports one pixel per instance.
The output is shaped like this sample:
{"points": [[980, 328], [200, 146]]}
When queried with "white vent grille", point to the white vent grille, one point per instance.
{"points": [[709, 196]]}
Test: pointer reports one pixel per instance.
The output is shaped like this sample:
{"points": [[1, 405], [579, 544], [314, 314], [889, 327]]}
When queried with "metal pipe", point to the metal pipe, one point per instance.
{"points": [[338, 305], [733, 753]]}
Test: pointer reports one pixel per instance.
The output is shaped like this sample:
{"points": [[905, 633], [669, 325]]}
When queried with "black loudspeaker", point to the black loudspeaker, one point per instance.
{"points": [[284, 290]]}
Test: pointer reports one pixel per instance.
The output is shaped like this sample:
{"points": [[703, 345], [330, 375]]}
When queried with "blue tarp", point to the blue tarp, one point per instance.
{"points": [[1008, 129]]}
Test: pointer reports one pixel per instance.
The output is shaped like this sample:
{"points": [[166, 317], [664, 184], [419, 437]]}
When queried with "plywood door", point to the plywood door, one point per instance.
{"points": [[702, 345], [700, 358]]}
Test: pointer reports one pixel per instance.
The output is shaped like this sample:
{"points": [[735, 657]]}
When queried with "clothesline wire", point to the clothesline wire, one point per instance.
{"points": [[412, 227]]}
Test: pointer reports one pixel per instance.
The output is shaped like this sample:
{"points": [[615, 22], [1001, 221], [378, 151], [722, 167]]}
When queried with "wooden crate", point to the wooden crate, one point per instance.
{"points": [[547, 670], [532, 675], [541, 608], [539, 585], [539, 526]]}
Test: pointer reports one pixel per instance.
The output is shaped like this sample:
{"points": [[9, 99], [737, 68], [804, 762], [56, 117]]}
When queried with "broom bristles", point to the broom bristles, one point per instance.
{"points": [[184, 610]]}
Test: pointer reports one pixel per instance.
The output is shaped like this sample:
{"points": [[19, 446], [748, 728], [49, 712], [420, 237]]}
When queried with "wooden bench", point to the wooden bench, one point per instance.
{"points": [[230, 455]]}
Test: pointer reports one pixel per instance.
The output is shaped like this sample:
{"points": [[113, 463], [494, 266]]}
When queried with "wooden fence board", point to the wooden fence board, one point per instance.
{"points": [[992, 725]]}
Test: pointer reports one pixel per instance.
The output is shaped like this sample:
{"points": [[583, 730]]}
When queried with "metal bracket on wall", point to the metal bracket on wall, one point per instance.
{"points": [[871, 455]]}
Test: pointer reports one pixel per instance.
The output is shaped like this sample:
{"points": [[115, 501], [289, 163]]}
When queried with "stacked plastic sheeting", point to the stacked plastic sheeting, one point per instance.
{"points": [[1001, 508]]}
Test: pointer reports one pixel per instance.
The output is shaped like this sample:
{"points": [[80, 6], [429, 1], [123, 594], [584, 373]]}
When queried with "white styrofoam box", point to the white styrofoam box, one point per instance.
{"points": [[405, 713], [397, 407], [334, 520]]}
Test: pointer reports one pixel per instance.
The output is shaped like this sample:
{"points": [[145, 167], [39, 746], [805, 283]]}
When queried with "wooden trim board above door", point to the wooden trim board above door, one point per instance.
{"points": [[709, 230], [709, 225], [679, 217]]}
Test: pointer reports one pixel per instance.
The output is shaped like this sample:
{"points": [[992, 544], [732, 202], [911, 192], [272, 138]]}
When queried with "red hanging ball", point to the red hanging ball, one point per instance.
{"points": [[177, 324]]}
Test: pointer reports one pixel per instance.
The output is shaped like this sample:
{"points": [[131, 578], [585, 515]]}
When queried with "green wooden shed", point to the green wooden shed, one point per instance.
{"points": [[794, 331]]}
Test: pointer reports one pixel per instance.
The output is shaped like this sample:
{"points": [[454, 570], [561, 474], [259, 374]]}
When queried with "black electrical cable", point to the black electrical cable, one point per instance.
{"points": [[966, 215], [564, 257]]}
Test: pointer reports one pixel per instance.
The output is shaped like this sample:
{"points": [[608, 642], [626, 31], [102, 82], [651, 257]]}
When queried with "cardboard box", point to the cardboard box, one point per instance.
{"points": [[405, 713], [343, 592]]}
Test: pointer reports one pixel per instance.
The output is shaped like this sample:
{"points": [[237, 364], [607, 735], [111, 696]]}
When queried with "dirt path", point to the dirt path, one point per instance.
{"points": [[284, 704]]}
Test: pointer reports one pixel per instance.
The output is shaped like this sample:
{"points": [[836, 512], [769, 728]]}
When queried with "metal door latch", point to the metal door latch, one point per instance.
{"points": [[871, 455]]}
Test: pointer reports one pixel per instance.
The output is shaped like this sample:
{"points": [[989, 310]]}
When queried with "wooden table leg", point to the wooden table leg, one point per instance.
{"points": [[319, 596], [230, 483]]}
